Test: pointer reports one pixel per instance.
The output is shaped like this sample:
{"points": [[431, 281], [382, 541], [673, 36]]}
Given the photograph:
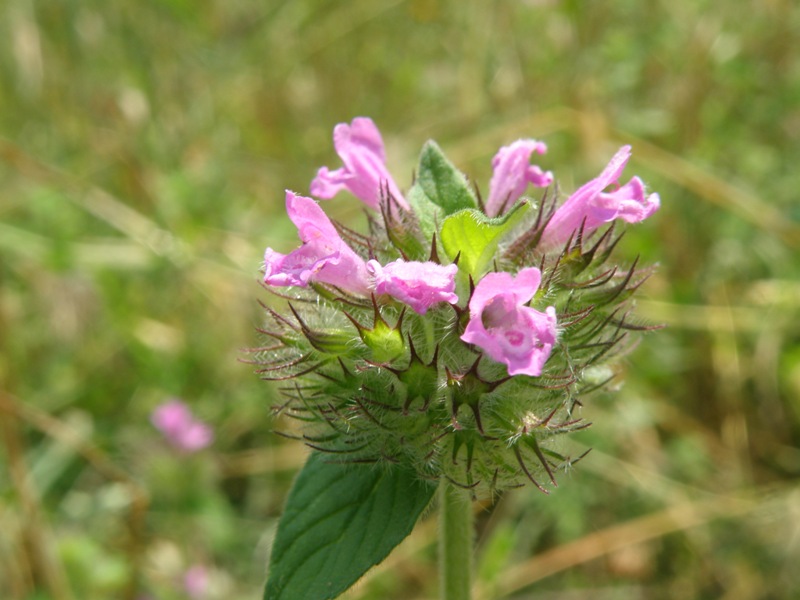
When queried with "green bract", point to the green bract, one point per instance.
{"points": [[474, 238]]}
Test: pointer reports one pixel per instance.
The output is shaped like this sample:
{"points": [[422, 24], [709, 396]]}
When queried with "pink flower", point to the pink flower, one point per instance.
{"points": [[591, 207], [364, 173], [323, 257], [505, 328], [195, 582], [418, 284], [176, 422], [512, 174]]}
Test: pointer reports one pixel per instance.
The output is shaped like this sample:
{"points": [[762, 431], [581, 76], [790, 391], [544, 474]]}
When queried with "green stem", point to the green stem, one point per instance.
{"points": [[455, 542]]}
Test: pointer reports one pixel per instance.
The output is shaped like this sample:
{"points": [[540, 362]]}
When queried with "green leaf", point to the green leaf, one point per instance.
{"points": [[476, 236], [440, 189], [339, 521]]}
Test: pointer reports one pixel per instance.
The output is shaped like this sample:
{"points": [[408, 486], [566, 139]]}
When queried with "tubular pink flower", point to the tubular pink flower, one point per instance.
{"points": [[591, 207], [364, 173], [508, 331], [418, 284], [323, 257], [179, 427], [512, 174]]}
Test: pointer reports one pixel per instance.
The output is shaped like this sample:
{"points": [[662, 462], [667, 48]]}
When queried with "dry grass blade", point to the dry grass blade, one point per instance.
{"points": [[672, 519], [98, 203], [13, 411], [36, 555], [716, 318], [714, 189]]}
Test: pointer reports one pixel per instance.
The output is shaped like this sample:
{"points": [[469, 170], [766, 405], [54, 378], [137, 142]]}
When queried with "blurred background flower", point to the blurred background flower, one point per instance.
{"points": [[145, 147], [195, 581], [180, 428]]}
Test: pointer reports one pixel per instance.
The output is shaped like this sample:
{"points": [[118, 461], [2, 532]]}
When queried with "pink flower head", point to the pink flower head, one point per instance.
{"points": [[179, 427], [591, 207], [364, 173], [418, 284], [505, 328], [323, 257], [512, 174]]}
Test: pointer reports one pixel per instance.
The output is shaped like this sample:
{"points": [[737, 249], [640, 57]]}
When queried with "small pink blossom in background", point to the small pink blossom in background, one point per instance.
{"points": [[512, 174], [179, 427], [364, 173], [195, 582], [418, 284], [323, 257], [591, 207], [519, 336]]}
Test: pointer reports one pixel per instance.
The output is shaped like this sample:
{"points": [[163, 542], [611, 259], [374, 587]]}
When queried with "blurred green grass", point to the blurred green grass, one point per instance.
{"points": [[144, 150]]}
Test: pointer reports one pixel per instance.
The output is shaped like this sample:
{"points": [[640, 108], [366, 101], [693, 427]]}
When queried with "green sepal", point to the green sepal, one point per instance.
{"points": [[573, 263], [339, 521], [405, 234], [474, 237], [385, 342], [439, 189]]}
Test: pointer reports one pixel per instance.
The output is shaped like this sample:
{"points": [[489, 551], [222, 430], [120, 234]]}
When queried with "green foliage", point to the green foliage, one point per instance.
{"points": [[339, 521]]}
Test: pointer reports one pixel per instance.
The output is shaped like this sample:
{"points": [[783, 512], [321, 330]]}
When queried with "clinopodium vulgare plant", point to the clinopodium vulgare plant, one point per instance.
{"points": [[453, 343]]}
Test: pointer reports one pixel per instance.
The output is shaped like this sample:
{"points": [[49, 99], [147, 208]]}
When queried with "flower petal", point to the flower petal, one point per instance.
{"points": [[323, 257], [512, 174], [418, 284], [505, 328], [591, 207], [364, 173]]}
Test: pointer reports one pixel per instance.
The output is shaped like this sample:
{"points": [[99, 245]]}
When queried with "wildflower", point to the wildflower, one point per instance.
{"points": [[324, 257], [175, 421], [590, 207], [470, 388], [196, 582], [505, 328], [449, 388], [512, 174], [418, 284], [364, 173]]}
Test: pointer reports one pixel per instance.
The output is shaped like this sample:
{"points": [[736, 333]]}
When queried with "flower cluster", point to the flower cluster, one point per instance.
{"points": [[457, 337]]}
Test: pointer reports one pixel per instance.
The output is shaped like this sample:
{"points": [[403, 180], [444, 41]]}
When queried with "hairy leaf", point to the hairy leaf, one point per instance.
{"points": [[339, 521], [440, 189]]}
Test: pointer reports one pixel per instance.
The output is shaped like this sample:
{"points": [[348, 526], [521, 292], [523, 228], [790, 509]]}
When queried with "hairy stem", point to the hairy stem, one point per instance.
{"points": [[455, 542]]}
